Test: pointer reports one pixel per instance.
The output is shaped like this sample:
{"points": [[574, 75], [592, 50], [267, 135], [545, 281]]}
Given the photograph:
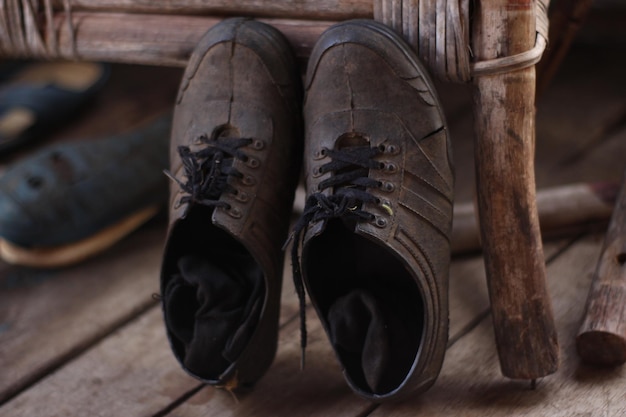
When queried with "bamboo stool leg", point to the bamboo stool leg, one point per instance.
{"points": [[504, 116]]}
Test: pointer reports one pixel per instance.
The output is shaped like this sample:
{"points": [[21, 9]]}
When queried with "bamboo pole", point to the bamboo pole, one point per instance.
{"points": [[310, 10], [157, 39], [504, 114], [602, 336]]}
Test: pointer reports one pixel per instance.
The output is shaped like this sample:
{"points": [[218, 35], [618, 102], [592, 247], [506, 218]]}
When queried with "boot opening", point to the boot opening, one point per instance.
{"points": [[372, 307], [213, 294]]}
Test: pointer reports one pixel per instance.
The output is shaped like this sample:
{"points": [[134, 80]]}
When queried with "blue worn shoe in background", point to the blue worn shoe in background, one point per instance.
{"points": [[70, 201], [36, 98]]}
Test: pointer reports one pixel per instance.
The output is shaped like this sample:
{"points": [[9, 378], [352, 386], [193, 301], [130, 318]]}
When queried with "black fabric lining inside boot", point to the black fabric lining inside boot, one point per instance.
{"points": [[372, 307], [213, 296]]}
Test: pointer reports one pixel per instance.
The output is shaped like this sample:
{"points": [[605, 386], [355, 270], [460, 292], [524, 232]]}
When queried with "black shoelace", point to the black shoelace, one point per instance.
{"points": [[207, 170], [350, 167]]}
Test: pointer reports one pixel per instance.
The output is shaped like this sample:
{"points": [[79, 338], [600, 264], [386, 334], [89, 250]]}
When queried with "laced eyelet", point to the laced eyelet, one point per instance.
{"points": [[389, 149], [380, 222], [392, 149], [390, 167], [319, 154], [242, 196], [387, 186], [252, 162], [317, 172], [258, 144], [248, 180], [234, 212]]}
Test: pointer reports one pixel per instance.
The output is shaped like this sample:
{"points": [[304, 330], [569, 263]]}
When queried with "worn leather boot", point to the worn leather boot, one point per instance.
{"points": [[374, 235], [234, 160]]}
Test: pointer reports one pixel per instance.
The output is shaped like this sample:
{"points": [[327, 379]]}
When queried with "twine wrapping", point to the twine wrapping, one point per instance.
{"points": [[439, 32], [21, 33]]}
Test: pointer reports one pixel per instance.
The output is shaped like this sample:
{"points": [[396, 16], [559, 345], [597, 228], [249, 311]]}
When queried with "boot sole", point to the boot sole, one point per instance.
{"points": [[73, 253]]}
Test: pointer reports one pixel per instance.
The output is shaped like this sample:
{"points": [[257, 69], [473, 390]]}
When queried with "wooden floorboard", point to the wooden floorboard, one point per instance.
{"points": [[89, 340], [131, 371], [318, 390], [471, 384], [50, 316]]}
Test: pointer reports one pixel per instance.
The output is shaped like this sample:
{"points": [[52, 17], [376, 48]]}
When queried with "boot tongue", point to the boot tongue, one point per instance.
{"points": [[226, 131], [350, 140]]}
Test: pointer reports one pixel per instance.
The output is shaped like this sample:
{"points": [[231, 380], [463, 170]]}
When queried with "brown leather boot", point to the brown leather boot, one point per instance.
{"points": [[234, 160], [374, 233]]}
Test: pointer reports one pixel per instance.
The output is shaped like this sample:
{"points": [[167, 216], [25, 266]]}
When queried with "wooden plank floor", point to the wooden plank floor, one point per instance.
{"points": [[89, 340]]}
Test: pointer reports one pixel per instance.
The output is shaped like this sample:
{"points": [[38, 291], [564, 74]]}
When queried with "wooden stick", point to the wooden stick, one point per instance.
{"points": [[504, 115], [602, 336], [563, 211]]}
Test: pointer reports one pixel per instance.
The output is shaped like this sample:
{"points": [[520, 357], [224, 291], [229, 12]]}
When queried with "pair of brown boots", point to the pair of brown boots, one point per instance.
{"points": [[372, 245]]}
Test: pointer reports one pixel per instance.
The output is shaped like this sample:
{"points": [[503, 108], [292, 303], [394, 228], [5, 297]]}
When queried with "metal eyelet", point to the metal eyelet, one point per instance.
{"points": [[234, 212], [387, 186], [248, 180], [319, 154], [390, 167], [392, 149], [317, 172], [380, 222], [389, 149], [252, 162], [242, 197], [258, 144]]}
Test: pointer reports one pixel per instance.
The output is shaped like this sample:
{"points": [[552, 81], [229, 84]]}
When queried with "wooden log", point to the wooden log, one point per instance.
{"points": [[602, 336], [504, 114], [563, 211], [312, 9]]}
